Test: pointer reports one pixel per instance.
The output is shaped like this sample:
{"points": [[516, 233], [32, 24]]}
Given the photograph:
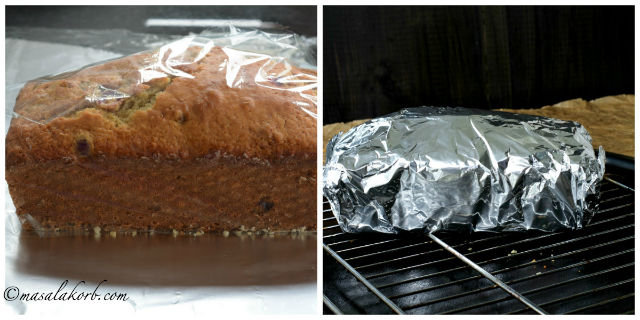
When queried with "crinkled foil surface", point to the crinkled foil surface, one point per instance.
{"points": [[436, 168]]}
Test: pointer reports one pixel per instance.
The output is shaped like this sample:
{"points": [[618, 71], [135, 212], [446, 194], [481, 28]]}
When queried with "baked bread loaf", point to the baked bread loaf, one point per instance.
{"points": [[198, 139]]}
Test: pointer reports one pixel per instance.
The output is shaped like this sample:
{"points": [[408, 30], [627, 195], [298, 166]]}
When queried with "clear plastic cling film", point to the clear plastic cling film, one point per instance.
{"points": [[246, 58], [238, 79]]}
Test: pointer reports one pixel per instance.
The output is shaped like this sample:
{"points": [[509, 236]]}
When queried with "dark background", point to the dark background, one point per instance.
{"points": [[298, 19], [380, 59]]}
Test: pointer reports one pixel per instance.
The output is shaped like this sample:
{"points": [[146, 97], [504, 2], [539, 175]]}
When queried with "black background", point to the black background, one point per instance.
{"points": [[298, 19], [380, 59]]}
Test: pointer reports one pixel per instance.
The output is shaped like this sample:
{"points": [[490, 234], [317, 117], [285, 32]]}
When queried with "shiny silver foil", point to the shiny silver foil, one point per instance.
{"points": [[432, 169]]}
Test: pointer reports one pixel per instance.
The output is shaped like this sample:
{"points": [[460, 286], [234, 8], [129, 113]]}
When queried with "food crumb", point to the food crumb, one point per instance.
{"points": [[96, 230], [225, 233], [175, 233], [112, 234], [534, 260], [545, 266], [514, 251], [538, 273], [469, 249]]}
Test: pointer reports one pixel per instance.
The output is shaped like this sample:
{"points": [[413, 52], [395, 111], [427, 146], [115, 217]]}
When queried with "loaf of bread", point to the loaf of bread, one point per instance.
{"points": [[190, 137]]}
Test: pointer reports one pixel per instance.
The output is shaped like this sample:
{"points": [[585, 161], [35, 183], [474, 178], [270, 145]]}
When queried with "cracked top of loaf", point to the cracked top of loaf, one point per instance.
{"points": [[192, 103]]}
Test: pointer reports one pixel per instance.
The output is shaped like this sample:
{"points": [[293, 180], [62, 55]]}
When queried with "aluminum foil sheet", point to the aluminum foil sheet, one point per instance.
{"points": [[435, 168]]}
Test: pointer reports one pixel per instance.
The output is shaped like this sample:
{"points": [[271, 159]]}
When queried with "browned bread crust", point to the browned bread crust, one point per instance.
{"points": [[184, 153]]}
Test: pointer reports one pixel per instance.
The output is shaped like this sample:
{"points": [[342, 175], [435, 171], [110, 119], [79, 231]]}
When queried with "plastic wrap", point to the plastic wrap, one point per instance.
{"points": [[429, 169], [233, 106], [248, 58]]}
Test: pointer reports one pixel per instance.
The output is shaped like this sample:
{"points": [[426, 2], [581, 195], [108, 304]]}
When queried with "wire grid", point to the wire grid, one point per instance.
{"points": [[586, 271]]}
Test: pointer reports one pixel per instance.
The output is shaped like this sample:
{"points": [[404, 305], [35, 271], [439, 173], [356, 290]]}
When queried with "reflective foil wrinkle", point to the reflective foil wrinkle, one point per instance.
{"points": [[436, 168]]}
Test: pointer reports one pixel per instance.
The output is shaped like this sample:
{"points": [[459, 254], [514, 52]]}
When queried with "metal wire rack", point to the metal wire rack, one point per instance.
{"points": [[589, 271]]}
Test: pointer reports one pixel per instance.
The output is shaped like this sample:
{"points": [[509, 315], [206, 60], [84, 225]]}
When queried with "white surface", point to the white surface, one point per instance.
{"points": [[26, 60]]}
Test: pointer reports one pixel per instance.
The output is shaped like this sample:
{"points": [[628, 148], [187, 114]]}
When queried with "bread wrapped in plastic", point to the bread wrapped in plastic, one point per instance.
{"points": [[201, 134]]}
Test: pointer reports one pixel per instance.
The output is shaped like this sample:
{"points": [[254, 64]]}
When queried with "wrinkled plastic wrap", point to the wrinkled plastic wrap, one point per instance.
{"points": [[162, 274], [143, 107], [108, 85], [429, 169]]}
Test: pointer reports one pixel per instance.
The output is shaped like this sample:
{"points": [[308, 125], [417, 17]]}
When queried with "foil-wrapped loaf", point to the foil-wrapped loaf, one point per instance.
{"points": [[440, 168]]}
